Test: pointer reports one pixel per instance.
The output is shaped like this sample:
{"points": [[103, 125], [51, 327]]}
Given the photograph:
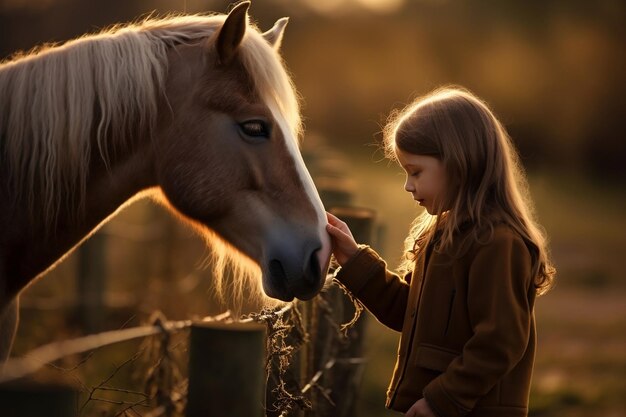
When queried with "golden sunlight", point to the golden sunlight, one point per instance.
{"points": [[325, 6], [382, 6], [330, 6]]}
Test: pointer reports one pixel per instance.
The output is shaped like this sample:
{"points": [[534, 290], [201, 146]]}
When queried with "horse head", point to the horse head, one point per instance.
{"points": [[227, 154]]}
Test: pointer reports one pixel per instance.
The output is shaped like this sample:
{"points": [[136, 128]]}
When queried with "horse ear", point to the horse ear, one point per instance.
{"points": [[275, 35], [232, 31]]}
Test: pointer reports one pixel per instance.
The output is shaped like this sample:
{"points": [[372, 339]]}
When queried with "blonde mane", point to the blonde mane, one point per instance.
{"points": [[58, 102]]}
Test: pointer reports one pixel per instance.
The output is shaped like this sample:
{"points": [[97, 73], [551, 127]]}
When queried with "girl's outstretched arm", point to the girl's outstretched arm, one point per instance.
{"points": [[365, 275], [344, 245]]}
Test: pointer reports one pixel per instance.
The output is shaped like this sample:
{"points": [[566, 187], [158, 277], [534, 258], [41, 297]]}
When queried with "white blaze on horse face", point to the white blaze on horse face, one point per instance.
{"points": [[323, 255]]}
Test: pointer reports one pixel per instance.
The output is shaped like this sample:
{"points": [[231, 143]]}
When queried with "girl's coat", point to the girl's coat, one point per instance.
{"points": [[467, 323]]}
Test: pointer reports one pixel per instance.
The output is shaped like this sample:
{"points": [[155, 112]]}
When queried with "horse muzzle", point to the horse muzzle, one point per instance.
{"points": [[290, 275]]}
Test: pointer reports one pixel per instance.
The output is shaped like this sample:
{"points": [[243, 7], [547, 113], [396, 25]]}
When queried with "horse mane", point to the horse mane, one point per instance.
{"points": [[58, 102], [56, 98]]}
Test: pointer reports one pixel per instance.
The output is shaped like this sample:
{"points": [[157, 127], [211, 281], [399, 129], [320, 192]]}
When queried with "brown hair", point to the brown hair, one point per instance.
{"points": [[487, 180]]}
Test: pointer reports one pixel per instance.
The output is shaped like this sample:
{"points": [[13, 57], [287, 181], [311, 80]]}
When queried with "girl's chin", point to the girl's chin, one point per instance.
{"points": [[428, 208]]}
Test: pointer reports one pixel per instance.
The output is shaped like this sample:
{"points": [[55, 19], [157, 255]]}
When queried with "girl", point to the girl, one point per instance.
{"points": [[475, 261]]}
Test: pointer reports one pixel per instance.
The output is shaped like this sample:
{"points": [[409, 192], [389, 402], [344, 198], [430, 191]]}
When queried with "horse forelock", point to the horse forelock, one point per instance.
{"points": [[276, 87], [272, 81]]}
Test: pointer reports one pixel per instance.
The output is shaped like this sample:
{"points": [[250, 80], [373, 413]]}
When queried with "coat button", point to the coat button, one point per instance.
{"points": [[413, 311]]}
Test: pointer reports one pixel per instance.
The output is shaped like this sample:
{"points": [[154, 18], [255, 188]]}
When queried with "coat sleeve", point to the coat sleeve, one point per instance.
{"points": [[500, 306], [382, 292]]}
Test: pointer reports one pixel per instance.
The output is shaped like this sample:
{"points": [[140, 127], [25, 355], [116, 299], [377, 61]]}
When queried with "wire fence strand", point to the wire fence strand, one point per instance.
{"points": [[39, 357]]}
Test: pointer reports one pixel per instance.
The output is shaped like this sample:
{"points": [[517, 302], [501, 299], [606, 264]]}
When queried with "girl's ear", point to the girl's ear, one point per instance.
{"points": [[231, 33], [274, 36]]}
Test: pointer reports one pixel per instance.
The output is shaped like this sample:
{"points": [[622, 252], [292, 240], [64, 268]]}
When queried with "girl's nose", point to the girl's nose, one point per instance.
{"points": [[408, 187]]}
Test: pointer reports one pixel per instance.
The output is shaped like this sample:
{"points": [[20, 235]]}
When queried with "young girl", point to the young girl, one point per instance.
{"points": [[475, 261]]}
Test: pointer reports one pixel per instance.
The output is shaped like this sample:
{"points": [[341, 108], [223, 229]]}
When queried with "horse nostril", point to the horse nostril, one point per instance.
{"points": [[277, 271], [314, 269], [286, 278]]}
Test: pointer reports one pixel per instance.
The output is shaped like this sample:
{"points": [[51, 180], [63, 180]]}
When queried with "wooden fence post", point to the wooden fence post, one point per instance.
{"points": [[92, 274], [28, 399], [226, 370], [335, 192], [345, 380]]}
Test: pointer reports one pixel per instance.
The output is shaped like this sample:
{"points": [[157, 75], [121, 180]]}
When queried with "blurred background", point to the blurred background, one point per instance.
{"points": [[553, 71]]}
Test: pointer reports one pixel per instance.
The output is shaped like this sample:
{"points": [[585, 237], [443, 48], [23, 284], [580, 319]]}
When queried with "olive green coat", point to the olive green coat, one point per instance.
{"points": [[467, 323]]}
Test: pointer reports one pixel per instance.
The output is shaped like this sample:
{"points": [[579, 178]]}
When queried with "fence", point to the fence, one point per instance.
{"points": [[312, 354]]}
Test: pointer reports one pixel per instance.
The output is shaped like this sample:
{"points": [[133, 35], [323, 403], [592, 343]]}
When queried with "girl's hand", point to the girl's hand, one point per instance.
{"points": [[344, 245], [420, 409]]}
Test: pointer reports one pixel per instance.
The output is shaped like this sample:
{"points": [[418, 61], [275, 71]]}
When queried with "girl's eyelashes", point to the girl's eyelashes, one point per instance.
{"points": [[412, 171]]}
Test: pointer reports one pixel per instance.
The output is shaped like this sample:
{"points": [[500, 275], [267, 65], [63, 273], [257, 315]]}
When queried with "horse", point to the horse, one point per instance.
{"points": [[195, 111]]}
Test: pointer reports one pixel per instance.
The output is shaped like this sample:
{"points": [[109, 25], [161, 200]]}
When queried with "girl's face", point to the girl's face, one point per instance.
{"points": [[426, 180]]}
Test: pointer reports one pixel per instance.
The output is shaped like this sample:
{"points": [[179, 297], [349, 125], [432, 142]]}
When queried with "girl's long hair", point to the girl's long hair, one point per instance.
{"points": [[486, 181]]}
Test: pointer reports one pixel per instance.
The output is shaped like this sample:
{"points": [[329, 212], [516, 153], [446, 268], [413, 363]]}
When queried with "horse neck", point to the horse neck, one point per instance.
{"points": [[108, 189]]}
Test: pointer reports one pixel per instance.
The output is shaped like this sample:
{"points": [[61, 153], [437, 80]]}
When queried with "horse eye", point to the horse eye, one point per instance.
{"points": [[255, 129]]}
